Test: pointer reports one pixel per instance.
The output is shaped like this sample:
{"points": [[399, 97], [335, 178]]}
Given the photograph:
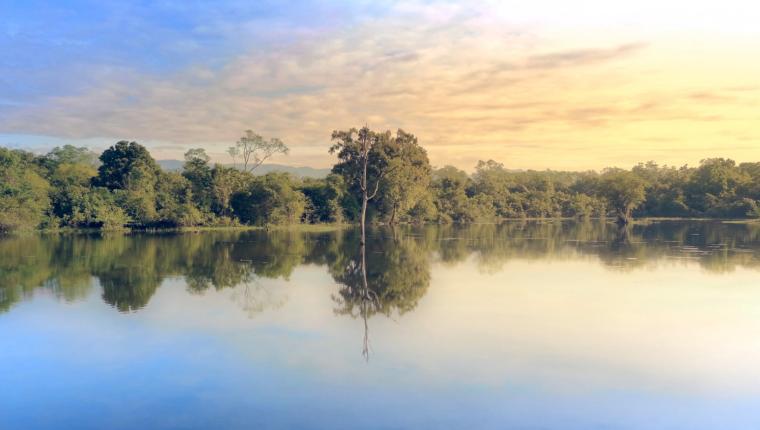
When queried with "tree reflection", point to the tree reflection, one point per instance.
{"points": [[254, 297], [130, 277], [385, 274], [387, 277], [357, 295]]}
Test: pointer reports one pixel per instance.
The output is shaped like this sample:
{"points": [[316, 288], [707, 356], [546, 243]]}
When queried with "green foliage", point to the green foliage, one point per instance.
{"points": [[24, 197], [174, 201], [714, 188], [365, 158], [120, 162], [397, 261], [449, 184], [226, 182], [69, 154], [624, 191], [75, 203], [325, 199], [69, 187], [96, 207], [394, 271], [349, 146], [198, 172], [138, 193], [664, 190], [494, 182], [584, 206], [408, 177], [269, 199], [424, 210], [452, 202]]}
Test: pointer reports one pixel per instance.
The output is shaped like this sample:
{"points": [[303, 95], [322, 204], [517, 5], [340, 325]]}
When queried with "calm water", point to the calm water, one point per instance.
{"points": [[523, 325]]}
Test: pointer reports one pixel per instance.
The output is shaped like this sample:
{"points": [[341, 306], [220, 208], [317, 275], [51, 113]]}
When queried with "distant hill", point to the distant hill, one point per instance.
{"points": [[170, 165], [302, 172]]}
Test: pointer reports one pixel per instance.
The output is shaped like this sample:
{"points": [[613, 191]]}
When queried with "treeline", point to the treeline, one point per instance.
{"points": [[387, 174]]}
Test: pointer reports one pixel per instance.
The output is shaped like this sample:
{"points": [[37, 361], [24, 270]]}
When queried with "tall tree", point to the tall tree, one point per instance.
{"points": [[715, 185], [120, 160], [253, 149], [624, 190], [198, 172], [361, 163], [408, 178], [226, 181], [70, 154]]}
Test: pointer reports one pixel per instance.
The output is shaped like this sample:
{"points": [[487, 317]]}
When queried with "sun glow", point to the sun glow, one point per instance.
{"points": [[588, 85]]}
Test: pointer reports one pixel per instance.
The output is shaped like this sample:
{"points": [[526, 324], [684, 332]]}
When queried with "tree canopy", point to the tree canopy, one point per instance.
{"points": [[379, 177], [253, 150]]}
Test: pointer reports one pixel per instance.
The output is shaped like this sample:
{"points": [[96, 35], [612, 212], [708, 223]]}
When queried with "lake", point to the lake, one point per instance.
{"points": [[528, 325]]}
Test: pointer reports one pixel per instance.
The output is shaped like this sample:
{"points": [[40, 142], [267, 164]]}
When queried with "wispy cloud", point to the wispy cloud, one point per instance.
{"points": [[470, 85], [581, 57]]}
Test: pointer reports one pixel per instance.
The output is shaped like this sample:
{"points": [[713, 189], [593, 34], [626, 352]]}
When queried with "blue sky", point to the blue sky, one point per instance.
{"points": [[49, 46], [546, 84]]}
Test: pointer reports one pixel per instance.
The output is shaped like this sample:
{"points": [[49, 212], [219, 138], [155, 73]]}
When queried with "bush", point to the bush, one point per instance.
{"points": [[24, 197], [270, 199], [89, 207]]}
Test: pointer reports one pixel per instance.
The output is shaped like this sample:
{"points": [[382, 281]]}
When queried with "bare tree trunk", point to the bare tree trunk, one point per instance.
{"points": [[623, 234], [624, 217], [365, 343], [364, 219], [365, 191], [393, 215], [366, 298], [394, 232]]}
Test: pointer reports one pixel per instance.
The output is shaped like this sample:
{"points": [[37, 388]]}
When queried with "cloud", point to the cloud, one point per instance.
{"points": [[470, 86], [581, 57]]}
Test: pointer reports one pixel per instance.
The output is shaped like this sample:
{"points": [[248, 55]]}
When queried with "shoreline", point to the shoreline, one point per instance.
{"points": [[332, 227]]}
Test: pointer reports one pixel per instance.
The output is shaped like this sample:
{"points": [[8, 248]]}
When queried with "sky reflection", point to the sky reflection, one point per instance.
{"points": [[535, 341]]}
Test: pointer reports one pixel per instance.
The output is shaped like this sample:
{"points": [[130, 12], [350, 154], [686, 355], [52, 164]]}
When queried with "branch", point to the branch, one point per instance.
{"points": [[246, 158], [259, 162], [377, 187], [380, 178]]}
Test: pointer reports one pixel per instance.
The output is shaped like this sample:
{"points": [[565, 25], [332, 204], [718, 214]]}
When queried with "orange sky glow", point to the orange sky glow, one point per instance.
{"points": [[571, 85]]}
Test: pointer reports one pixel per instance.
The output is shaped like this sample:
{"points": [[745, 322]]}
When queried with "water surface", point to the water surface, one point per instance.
{"points": [[522, 325]]}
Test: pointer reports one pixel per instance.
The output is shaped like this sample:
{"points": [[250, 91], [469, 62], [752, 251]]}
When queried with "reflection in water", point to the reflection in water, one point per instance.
{"points": [[254, 296], [356, 292], [388, 277], [475, 327]]}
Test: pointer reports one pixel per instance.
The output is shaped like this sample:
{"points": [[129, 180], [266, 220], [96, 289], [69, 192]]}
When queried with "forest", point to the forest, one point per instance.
{"points": [[380, 176]]}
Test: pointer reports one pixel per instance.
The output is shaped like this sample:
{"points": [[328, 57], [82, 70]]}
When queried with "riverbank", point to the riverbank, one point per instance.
{"points": [[328, 227]]}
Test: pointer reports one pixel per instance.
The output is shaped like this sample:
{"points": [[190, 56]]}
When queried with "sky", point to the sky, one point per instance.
{"points": [[571, 85]]}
